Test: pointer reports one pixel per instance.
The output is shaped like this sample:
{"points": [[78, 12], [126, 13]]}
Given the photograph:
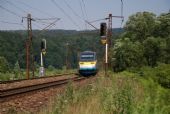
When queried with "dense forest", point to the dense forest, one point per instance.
{"points": [[59, 44], [144, 41]]}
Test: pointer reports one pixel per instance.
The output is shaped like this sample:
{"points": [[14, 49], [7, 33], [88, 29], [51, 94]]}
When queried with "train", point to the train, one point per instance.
{"points": [[87, 63]]}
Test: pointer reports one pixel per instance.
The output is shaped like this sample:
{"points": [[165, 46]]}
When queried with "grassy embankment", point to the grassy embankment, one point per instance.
{"points": [[127, 92], [22, 74]]}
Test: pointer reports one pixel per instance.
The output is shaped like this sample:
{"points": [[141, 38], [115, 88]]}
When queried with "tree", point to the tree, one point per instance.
{"points": [[162, 28], [127, 54], [140, 26], [4, 66], [152, 50], [17, 70], [167, 51]]}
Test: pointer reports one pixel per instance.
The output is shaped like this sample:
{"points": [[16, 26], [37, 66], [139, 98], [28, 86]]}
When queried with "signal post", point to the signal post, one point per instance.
{"points": [[104, 41], [42, 54], [106, 35]]}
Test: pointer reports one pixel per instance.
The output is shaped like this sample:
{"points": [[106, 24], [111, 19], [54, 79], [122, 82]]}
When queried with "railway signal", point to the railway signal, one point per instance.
{"points": [[103, 28], [106, 34], [43, 46], [43, 52]]}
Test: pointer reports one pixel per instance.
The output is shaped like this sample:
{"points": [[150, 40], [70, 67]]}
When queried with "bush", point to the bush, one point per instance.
{"points": [[160, 74], [4, 66]]}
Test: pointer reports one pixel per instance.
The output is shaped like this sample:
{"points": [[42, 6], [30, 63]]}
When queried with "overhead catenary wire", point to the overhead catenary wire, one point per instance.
{"points": [[35, 24], [83, 15], [9, 2], [74, 12], [86, 17], [40, 20], [43, 21], [68, 16], [51, 24], [10, 22], [40, 11], [9, 11], [85, 11], [13, 23]]}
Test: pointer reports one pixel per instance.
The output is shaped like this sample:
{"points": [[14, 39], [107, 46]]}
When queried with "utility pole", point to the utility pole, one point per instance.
{"points": [[28, 47], [67, 56], [109, 33], [108, 43], [106, 39], [109, 39], [67, 44]]}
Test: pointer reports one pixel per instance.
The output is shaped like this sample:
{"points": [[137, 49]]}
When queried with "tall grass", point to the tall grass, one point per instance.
{"points": [[117, 94], [22, 74]]}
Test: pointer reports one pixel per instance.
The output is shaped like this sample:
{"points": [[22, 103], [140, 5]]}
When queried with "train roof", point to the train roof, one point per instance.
{"points": [[88, 52]]}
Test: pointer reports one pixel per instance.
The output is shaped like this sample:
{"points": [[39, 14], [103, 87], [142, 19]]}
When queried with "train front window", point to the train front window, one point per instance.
{"points": [[87, 57]]}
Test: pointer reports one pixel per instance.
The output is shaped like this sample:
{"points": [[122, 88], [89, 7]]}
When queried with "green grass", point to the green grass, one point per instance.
{"points": [[121, 93], [22, 74], [160, 74], [129, 92]]}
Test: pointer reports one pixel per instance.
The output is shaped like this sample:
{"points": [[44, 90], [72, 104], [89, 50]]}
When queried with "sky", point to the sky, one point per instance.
{"points": [[72, 13]]}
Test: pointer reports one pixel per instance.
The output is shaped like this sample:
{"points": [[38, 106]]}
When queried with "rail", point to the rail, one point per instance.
{"points": [[19, 90]]}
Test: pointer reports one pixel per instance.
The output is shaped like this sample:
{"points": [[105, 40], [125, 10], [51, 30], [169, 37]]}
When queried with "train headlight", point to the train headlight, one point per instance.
{"points": [[81, 63]]}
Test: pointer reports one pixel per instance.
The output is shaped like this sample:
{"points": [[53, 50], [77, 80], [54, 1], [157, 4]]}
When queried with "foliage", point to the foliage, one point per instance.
{"points": [[118, 94], [118, 97], [17, 70], [162, 28], [4, 66], [6, 76], [12, 46], [144, 42], [140, 25], [70, 96], [127, 54], [152, 50], [51, 68], [160, 74], [167, 51]]}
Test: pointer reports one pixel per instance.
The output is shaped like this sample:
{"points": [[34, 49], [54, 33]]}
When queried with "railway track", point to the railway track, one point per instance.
{"points": [[13, 81], [20, 90]]}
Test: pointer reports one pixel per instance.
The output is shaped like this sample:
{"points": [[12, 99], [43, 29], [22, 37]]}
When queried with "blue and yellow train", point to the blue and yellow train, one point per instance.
{"points": [[88, 63]]}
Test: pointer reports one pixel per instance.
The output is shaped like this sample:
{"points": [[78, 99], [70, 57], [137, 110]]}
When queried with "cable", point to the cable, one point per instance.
{"points": [[9, 2], [13, 23], [37, 25], [68, 16], [72, 9], [97, 20], [51, 24], [43, 21], [10, 22], [85, 12], [42, 12], [10, 11], [47, 18], [82, 12], [85, 9]]}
